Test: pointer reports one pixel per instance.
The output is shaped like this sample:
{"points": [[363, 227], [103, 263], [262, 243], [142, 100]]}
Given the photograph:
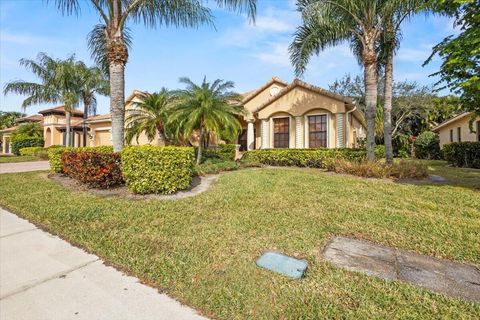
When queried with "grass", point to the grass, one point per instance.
{"points": [[464, 177], [12, 159], [202, 250]]}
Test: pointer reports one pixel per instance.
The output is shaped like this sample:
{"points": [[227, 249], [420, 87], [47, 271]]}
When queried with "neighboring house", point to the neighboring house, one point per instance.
{"points": [[278, 115], [457, 129], [6, 133]]}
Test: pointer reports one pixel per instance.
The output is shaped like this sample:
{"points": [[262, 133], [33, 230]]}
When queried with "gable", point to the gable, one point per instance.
{"points": [[262, 94]]}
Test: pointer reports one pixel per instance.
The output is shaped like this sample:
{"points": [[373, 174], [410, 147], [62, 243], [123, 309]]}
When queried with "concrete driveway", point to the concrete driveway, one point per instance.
{"points": [[24, 166], [44, 277]]}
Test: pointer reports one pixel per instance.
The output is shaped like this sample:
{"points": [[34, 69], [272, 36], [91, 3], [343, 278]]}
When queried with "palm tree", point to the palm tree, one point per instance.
{"points": [[327, 23], [150, 116], [207, 108], [108, 40], [57, 84]]}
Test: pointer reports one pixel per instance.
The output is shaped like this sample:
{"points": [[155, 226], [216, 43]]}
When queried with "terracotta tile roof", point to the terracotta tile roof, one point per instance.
{"points": [[252, 94], [32, 118], [99, 117], [61, 109]]}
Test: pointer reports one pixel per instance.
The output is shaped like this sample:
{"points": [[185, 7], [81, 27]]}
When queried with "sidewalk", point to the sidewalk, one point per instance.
{"points": [[24, 166], [44, 277]]}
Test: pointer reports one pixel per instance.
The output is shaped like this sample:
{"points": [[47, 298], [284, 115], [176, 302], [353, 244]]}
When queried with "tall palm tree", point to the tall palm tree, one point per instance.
{"points": [[113, 45], [150, 116], [57, 84], [327, 23], [207, 108]]}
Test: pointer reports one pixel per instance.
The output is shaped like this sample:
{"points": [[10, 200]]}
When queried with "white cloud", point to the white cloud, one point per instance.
{"points": [[276, 53], [414, 54], [273, 24]]}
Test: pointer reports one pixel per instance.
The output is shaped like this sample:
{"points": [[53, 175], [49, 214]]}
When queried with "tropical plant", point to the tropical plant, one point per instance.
{"points": [[207, 108], [109, 41], [8, 118], [329, 23], [150, 116], [57, 84], [28, 130]]}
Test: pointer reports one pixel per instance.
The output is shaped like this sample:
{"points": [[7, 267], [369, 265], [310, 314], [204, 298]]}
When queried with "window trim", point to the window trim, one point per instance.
{"points": [[306, 129], [451, 135], [272, 131], [478, 130], [459, 134]]}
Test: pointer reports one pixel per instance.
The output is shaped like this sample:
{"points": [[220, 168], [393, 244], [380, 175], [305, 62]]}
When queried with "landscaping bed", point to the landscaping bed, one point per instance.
{"points": [[202, 249]]}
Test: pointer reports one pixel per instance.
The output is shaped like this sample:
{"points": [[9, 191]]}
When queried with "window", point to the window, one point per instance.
{"points": [[478, 131], [317, 131], [459, 134], [451, 135], [281, 132]]}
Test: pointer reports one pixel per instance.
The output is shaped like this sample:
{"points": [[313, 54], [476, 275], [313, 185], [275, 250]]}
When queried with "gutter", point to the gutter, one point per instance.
{"points": [[347, 138]]}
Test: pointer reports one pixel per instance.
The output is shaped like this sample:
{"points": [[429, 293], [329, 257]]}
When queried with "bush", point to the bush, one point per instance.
{"points": [[55, 154], [314, 158], [379, 151], [151, 169], [21, 142], [427, 146], [97, 170], [462, 154], [211, 166], [30, 151], [222, 151], [374, 169], [408, 169]]}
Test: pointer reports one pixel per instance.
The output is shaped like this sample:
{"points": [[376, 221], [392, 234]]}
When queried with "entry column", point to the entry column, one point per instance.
{"points": [[250, 135]]}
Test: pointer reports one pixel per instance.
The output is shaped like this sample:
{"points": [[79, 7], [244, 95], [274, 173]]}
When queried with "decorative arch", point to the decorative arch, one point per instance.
{"points": [[48, 137]]}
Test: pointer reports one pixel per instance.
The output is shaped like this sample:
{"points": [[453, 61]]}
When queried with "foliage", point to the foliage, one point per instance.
{"points": [[207, 108], [55, 154], [215, 165], [379, 151], [151, 169], [8, 118], [14, 159], [97, 170], [150, 116], [374, 169], [462, 154], [21, 142], [427, 146], [30, 151], [314, 158], [460, 67], [224, 152], [27, 130]]}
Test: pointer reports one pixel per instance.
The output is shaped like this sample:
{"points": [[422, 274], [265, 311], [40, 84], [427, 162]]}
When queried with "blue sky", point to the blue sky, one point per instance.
{"points": [[247, 54]]}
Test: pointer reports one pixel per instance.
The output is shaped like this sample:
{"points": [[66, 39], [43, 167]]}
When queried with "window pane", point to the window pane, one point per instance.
{"points": [[317, 135], [281, 132]]}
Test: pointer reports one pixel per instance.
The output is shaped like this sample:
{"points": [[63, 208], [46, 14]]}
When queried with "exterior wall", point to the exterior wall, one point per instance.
{"points": [[261, 98], [6, 146], [462, 123], [99, 134], [356, 131]]}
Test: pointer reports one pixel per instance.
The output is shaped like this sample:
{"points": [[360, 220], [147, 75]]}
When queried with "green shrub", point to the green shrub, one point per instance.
{"points": [[97, 170], [55, 154], [379, 151], [314, 158], [427, 146], [462, 154], [222, 151], [21, 142], [151, 169], [211, 166], [30, 151]]}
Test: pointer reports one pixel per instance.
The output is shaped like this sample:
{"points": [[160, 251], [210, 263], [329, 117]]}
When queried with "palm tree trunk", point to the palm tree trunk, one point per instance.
{"points": [[370, 75], [200, 146], [68, 117], [86, 107], [387, 108], [117, 101]]}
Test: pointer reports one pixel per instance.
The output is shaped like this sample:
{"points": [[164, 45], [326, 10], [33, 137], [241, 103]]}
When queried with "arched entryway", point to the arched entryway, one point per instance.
{"points": [[48, 137]]}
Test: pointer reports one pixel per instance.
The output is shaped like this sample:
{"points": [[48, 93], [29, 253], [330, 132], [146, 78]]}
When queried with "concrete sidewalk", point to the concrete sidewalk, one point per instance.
{"points": [[24, 166], [44, 277]]}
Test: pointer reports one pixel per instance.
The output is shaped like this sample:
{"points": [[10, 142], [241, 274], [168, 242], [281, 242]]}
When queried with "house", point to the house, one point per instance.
{"points": [[457, 129], [278, 115]]}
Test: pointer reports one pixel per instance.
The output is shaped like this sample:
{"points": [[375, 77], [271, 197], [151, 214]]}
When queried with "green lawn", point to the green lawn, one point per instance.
{"points": [[202, 250], [11, 159]]}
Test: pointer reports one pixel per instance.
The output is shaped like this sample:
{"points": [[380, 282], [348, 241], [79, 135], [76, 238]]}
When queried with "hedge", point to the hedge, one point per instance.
{"points": [[152, 169], [97, 170], [427, 146], [30, 151], [315, 158], [25, 142], [222, 151], [462, 154], [55, 154]]}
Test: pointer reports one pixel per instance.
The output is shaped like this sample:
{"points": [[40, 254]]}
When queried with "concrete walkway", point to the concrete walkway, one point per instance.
{"points": [[44, 277], [450, 278], [24, 166]]}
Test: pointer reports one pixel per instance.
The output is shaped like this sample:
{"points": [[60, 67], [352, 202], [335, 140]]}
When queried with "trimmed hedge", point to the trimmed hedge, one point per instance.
{"points": [[55, 154], [20, 143], [97, 170], [152, 169], [462, 154], [314, 158], [30, 151], [222, 151], [212, 166], [427, 146]]}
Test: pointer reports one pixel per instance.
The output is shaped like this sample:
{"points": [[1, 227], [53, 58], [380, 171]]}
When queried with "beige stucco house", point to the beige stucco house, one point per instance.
{"points": [[278, 115], [457, 129]]}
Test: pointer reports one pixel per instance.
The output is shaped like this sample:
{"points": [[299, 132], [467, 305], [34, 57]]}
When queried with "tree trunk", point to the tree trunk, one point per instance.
{"points": [[67, 128], [117, 104], [200, 146], [370, 75], [387, 108]]}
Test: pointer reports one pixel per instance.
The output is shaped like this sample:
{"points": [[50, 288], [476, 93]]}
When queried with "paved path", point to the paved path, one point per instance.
{"points": [[443, 276], [44, 277], [24, 166]]}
